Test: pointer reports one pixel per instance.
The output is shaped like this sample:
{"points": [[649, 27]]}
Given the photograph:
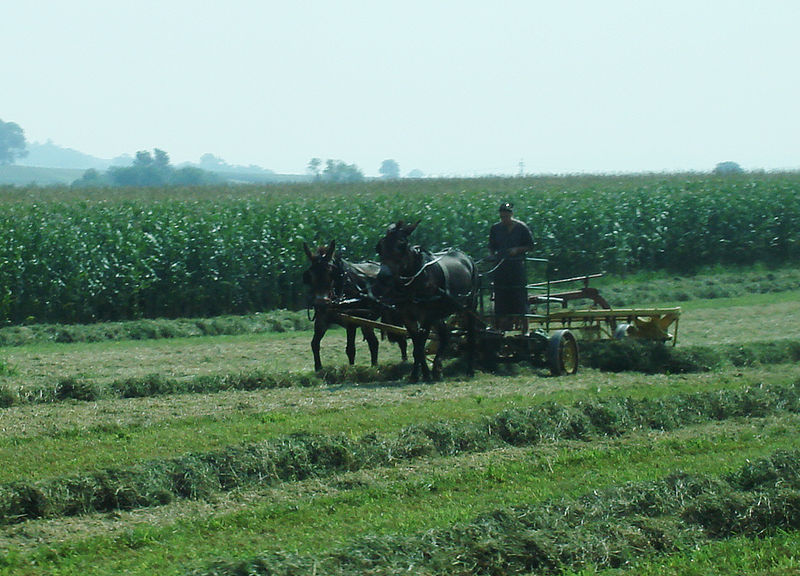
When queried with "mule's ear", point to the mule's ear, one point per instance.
{"points": [[329, 251], [308, 251], [411, 227]]}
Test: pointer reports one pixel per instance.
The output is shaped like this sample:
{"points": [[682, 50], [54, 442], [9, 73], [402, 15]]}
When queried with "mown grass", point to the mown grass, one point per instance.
{"points": [[153, 329], [711, 287], [614, 356], [78, 443], [608, 527], [34, 366], [436, 493], [709, 333], [766, 556], [298, 456], [351, 510]]}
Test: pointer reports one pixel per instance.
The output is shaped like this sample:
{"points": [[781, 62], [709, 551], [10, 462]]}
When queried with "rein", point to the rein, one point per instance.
{"points": [[421, 270], [500, 263]]}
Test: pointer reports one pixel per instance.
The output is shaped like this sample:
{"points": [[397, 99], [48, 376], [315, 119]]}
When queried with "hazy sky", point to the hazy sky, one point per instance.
{"points": [[446, 87]]}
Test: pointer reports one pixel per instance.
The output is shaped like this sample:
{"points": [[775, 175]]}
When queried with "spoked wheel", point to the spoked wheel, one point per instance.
{"points": [[562, 353]]}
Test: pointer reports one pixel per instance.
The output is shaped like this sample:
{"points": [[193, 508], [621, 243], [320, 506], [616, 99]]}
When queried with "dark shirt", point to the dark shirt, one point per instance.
{"points": [[502, 239], [510, 277]]}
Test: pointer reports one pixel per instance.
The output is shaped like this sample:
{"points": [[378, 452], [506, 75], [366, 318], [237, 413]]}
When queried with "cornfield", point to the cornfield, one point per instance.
{"points": [[71, 255]]}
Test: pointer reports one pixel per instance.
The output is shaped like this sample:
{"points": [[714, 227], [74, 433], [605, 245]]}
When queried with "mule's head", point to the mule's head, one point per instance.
{"points": [[393, 249], [319, 275]]}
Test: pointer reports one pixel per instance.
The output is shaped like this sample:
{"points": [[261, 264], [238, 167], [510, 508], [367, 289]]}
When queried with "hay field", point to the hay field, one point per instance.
{"points": [[227, 455]]}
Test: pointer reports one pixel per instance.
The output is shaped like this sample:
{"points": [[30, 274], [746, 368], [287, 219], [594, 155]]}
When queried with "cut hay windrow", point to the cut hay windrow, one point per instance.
{"points": [[155, 329], [655, 358], [611, 528], [299, 456], [616, 356]]}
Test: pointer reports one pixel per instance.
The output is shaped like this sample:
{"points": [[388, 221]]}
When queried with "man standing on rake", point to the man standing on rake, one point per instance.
{"points": [[509, 239]]}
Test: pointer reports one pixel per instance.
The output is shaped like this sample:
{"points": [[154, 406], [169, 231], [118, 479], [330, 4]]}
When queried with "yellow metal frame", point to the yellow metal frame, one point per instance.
{"points": [[646, 323]]}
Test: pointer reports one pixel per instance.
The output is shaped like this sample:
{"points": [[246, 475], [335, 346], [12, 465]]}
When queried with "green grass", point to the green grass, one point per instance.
{"points": [[36, 369], [299, 456], [401, 500], [276, 321], [159, 433], [710, 286], [342, 510], [770, 556]]}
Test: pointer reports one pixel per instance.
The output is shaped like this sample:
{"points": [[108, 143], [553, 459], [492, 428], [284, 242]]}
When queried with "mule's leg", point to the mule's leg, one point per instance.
{"points": [[402, 341], [415, 351], [320, 327], [472, 341], [444, 339], [351, 343], [372, 342], [420, 362]]}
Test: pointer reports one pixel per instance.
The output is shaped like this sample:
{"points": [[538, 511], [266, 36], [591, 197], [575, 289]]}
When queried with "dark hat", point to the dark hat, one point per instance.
{"points": [[506, 207]]}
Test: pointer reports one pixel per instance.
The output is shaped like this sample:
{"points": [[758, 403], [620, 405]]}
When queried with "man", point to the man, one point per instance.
{"points": [[509, 239]]}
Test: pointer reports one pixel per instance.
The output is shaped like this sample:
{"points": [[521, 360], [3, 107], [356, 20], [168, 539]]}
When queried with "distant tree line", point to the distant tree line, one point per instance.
{"points": [[338, 171], [147, 170], [728, 168], [389, 170], [334, 171], [12, 142]]}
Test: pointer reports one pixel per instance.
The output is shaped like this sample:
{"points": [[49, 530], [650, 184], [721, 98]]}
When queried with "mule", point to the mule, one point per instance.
{"points": [[427, 289], [334, 280]]}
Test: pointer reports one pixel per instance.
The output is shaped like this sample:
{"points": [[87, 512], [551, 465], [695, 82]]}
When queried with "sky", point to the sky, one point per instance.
{"points": [[450, 88]]}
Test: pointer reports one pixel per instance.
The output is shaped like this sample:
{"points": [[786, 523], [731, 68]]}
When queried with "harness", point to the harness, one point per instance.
{"points": [[444, 291], [344, 285]]}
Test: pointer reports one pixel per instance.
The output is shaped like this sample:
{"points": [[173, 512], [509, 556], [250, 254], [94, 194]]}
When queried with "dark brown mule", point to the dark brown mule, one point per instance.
{"points": [[426, 289], [334, 280]]}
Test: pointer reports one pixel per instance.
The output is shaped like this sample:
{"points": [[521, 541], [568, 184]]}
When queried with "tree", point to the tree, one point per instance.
{"points": [[338, 171], [143, 158], [390, 170], [149, 170], [91, 179], [727, 168], [314, 167], [161, 158], [192, 176], [12, 142], [210, 162], [145, 171]]}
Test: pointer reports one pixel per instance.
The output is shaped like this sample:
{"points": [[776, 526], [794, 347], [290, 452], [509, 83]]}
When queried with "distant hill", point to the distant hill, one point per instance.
{"points": [[49, 164], [33, 175], [50, 155]]}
